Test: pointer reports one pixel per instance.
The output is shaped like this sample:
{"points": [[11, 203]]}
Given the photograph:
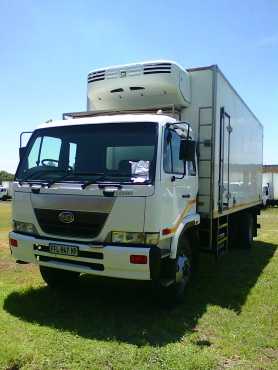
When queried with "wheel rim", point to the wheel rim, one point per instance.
{"points": [[183, 269]]}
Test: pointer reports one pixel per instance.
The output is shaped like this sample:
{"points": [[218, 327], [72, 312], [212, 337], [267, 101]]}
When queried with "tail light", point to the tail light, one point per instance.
{"points": [[13, 242], [138, 259]]}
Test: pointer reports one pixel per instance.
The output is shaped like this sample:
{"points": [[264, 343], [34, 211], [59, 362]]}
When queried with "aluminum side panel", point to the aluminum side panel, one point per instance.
{"points": [[246, 148]]}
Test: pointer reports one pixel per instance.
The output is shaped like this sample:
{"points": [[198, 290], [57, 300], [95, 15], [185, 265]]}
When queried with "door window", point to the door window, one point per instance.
{"points": [[171, 161]]}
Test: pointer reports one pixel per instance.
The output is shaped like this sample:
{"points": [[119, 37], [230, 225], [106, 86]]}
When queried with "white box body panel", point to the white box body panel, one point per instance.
{"points": [[242, 149], [275, 186]]}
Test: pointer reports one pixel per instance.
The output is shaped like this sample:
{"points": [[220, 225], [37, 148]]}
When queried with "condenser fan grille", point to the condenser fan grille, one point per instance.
{"points": [[153, 68], [145, 69], [96, 76]]}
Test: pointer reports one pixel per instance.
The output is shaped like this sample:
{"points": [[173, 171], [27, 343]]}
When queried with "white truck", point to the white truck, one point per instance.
{"points": [[3, 192], [8, 185], [165, 163], [270, 185]]}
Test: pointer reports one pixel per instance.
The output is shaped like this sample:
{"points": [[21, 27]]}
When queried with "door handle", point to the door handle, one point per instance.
{"points": [[186, 195]]}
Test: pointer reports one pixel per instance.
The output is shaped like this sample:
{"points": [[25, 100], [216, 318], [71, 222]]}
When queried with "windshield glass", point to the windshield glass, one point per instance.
{"points": [[96, 152]]}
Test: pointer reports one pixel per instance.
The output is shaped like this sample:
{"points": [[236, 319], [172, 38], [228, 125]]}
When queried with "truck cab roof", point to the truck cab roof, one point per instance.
{"points": [[161, 119]]}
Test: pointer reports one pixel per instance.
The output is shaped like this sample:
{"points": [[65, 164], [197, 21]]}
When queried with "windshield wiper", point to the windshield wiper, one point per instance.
{"points": [[103, 177], [74, 174], [49, 183], [38, 181]]}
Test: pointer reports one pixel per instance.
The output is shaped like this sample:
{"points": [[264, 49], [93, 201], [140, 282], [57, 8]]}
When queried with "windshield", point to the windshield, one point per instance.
{"points": [[122, 152]]}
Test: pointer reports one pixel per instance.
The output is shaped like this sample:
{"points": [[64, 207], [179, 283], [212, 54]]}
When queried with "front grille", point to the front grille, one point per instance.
{"points": [[85, 225]]}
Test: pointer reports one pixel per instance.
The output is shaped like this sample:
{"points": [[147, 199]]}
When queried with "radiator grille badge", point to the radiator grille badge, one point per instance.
{"points": [[66, 217]]}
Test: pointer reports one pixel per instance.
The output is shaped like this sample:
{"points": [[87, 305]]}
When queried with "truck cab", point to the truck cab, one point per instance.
{"points": [[105, 195]]}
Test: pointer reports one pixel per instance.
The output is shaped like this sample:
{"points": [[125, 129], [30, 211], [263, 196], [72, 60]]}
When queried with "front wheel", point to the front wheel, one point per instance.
{"points": [[59, 279], [179, 274], [184, 270]]}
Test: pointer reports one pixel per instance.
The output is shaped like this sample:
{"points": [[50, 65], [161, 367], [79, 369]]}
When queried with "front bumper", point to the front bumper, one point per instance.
{"points": [[108, 260]]}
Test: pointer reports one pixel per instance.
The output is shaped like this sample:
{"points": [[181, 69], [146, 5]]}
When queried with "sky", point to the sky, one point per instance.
{"points": [[48, 47]]}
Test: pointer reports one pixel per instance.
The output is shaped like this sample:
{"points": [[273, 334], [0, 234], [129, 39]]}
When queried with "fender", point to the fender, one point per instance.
{"points": [[188, 222]]}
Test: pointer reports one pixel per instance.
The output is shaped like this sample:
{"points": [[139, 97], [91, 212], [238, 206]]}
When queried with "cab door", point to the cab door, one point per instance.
{"points": [[180, 188]]}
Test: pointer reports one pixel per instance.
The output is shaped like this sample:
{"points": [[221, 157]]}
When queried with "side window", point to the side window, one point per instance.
{"points": [[50, 150], [167, 153], [33, 158], [171, 161]]}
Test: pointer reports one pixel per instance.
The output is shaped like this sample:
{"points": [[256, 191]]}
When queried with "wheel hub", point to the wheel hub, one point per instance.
{"points": [[183, 269]]}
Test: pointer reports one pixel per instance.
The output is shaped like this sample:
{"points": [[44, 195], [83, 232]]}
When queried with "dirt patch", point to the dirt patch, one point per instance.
{"points": [[230, 363], [271, 353]]}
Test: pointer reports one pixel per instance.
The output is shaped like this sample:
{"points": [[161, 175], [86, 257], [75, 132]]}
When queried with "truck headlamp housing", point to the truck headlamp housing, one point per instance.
{"points": [[135, 237], [24, 227], [152, 238]]}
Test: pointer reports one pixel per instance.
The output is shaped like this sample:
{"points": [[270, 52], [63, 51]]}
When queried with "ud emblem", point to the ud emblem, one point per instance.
{"points": [[66, 217]]}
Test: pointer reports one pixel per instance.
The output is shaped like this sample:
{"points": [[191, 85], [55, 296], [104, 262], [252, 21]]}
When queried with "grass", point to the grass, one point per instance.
{"points": [[230, 319]]}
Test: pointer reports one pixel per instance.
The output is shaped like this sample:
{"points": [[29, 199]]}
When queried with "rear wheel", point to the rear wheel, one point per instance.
{"points": [[57, 279], [246, 230]]}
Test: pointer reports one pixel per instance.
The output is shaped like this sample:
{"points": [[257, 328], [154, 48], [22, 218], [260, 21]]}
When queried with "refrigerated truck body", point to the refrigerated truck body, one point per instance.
{"points": [[164, 163]]}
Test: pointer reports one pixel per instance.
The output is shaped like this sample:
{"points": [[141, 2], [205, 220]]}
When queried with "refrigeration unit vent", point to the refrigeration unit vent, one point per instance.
{"points": [[154, 68], [96, 76]]}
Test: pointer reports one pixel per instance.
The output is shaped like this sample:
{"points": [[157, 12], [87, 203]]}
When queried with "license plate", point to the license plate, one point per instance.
{"points": [[65, 250]]}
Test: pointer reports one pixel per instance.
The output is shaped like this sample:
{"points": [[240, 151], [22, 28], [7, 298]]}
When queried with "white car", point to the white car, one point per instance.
{"points": [[3, 193]]}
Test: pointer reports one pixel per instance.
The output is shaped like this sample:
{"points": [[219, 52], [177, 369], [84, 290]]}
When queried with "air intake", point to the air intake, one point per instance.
{"points": [[96, 76], [153, 68]]}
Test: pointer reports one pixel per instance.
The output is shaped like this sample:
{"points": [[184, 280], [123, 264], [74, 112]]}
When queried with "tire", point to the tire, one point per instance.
{"points": [[246, 230], [182, 269], [59, 279]]}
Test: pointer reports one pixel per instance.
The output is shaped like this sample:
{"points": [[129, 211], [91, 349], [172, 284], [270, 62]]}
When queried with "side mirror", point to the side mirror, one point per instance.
{"points": [[187, 150], [22, 151]]}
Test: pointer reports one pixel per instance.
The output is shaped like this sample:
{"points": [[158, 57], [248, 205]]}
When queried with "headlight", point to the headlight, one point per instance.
{"points": [[24, 227], [152, 238], [127, 237], [135, 238]]}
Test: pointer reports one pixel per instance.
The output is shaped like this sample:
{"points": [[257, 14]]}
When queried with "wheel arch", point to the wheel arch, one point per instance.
{"points": [[188, 228]]}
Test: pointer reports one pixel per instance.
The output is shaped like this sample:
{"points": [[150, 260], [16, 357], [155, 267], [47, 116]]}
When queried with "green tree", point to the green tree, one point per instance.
{"points": [[6, 176]]}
